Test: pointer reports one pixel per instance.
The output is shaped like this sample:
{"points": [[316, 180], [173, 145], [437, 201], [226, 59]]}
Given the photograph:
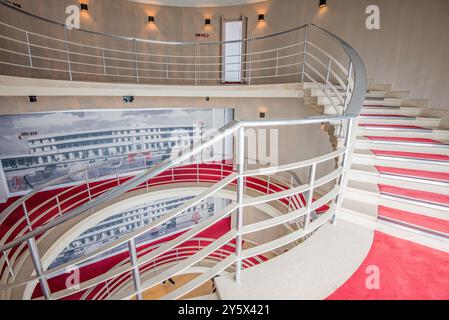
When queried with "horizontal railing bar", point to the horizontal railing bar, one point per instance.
{"points": [[149, 256], [279, 220], [290, 192], [280, 242], [180, 266], [191, 285], [292, 166]]}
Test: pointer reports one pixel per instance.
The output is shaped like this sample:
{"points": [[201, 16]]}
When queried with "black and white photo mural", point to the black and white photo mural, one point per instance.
{"points": [[37, 148]]}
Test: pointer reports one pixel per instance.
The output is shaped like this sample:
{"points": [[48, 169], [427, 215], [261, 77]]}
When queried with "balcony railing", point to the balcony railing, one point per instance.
{"points": [[298, 55]]}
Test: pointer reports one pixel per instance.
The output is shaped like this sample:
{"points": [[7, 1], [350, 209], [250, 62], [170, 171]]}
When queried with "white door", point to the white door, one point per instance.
{"points": [[232, 52]]}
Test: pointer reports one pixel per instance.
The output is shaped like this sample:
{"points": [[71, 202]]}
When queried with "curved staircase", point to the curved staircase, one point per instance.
{"points": [[400, 165]]}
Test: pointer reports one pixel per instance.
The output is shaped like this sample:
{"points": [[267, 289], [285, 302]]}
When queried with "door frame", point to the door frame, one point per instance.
{"points": [[243, 75]]}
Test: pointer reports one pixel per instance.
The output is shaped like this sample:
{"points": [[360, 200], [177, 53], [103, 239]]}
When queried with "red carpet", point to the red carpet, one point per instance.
{"points": [[406, 271], [393, 126], [429, 175], [416, 219], [405, 139], [415, 194], [412, 155]]}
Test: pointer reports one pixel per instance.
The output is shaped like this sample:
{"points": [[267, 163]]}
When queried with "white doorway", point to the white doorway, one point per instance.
{"points": [[233, 30]]}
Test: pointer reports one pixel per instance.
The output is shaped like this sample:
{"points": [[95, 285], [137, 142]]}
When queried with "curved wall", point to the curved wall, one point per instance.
{"points": [[409, 51]]}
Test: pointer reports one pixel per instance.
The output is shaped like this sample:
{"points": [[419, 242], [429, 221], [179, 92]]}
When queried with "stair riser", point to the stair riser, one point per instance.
{"points": [[355, 194], [399, 163], [401, 182], [384, 102], [400, 147], [409, 133], [423, 122], [402, 111]]}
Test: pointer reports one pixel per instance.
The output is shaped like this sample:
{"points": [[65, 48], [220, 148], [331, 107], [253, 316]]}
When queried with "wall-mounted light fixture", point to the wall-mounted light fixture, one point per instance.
{"points": [[323, 3], [261, 17], [151, 19], [262, 115], [128, 99], [207, 22], [84, 7]]}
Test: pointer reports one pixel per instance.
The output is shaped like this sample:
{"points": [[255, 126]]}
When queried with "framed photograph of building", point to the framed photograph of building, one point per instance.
{"points": [[33, 153]]}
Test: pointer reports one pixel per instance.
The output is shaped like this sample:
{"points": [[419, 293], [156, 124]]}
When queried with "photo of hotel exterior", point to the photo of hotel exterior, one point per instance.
{"points": [[135, 147]]}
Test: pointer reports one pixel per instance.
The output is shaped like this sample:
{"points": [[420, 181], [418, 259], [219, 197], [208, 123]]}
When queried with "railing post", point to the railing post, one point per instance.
{"points": [[194, 63], [135, 269], [38, 268], [345, 166], [104, 63], [326, 86], [290, 198], [250, 55], [347, 87], [87, 185], [136, 60], [166, 68], [27, 217], [68, 53], [310, 194], [29, 49], [8, 263], [58, 203], [240, 186], [277, 62], [306, 37], [117, 176]]}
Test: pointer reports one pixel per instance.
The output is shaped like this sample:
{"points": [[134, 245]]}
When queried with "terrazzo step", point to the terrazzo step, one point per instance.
{"points": [[367, 192], [409, 131], [396, 110], [403, 144], [416, 221], [390, 176], [406, 160], [399, 120], [382, 102]]}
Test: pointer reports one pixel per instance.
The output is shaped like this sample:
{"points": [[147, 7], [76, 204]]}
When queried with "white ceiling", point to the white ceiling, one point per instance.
{"points": [[198, 3]]}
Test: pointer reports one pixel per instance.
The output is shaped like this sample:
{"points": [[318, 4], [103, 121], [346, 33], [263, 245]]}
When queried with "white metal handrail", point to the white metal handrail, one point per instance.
{"points": [[347, 100]]}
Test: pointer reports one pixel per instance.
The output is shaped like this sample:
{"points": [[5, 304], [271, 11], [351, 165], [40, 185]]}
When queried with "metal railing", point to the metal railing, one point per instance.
{"points": [[296, 55]]}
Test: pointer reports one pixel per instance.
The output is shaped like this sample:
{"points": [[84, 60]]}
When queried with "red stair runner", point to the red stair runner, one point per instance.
{"points": [[419, 195], [414, 218], [429, 175], [412, 155], [405, 139]]}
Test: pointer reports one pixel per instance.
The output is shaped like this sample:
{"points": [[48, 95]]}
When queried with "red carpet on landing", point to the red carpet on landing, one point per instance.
{"points": [[407, 271]]}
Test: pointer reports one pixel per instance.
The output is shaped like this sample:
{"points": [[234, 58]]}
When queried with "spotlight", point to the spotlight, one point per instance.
{"points": [[84, 7], [33, 99], [128, 99], [207, 22], [261, 17], [151, 19], [323, 3]]}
